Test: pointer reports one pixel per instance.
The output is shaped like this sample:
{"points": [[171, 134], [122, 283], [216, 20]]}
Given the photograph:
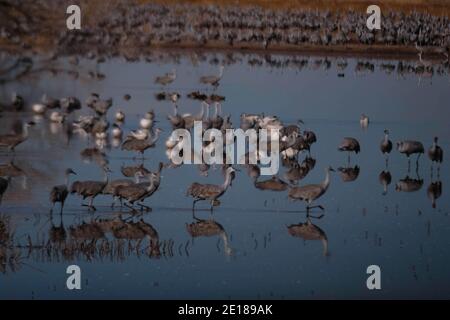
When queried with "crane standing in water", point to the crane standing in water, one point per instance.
{"points": [[90, 188], [386, 145], [410, 147], [213, 80], [210, 192], [59, 193], [11, 141], [311, 192], [436, 154]]}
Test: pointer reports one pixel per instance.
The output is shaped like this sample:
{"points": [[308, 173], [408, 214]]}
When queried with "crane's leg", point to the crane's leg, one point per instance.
{"points": [[62, 207], [194, 202], [409, 165], [131, 207], [91, 204], [143, 206]]}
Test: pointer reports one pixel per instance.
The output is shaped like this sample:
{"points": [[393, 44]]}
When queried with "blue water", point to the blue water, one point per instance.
{"points": [[399, 231]]}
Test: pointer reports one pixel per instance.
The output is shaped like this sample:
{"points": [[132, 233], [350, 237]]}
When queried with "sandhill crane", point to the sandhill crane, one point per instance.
{"points": [[310, 137], [166, 79], [309, 231], [120, 116], [364, 121], [49, 102], [212, 80], [311, 192], [117, 131], [216, 98], [136, 192], [350, 145], [385, 179], [4, 183], [59, 193], [434, 191], [130, 172], [197, 95], [272, 184], [217, 120], [133, 144], [189, 119], [39, 108], [147, 121], [176, 120], [410, 147], [210, 192], [209, 228], [70, 104], [435, 153], [287, 130], [91, 99], [101, 107], [140, 134], [299, 171], [11, 141], [57, 117], [90, 188], [386, 145], [114, 184], [154, 182]]}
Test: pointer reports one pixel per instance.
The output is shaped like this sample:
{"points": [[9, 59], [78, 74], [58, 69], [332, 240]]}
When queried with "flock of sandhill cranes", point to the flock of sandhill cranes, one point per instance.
{"points": [[293, 141]]}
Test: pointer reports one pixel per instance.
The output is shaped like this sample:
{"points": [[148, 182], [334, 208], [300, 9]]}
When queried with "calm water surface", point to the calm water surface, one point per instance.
{"points": [[399, 231]]}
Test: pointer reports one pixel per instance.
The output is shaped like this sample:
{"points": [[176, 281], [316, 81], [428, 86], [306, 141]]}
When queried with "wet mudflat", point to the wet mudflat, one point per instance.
{"points": [[256, 242]]}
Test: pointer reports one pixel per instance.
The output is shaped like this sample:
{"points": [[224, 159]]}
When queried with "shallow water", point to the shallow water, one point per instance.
{"points": [[399, 231]]}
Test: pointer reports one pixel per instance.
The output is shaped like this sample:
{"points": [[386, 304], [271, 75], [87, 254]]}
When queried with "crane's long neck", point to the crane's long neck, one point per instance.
{"points": [[216, 110], [151, 185], [219, 109], [175, 109], [326, 182], [386, 137], [227, 181], [105, 177], [207, 112], [202, 112], [155, 137], [220, 72], [66, 180], [25, 132], [137, 178], [433, 146]]}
